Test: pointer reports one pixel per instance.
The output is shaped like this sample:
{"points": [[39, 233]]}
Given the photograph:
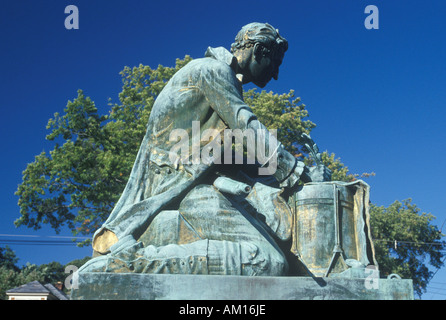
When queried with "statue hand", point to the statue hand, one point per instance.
{"points": [[319, 173], [291, 181]]}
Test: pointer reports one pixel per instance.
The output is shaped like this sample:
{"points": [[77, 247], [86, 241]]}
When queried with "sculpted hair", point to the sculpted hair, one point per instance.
{"points": [[262, 33]]}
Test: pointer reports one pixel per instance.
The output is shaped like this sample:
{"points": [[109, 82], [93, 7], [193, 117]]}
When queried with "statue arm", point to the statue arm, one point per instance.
{"points": [[223, 91]]}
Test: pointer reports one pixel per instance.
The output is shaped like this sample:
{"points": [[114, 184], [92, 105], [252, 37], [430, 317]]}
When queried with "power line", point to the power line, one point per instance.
{"points": [[396, 242], [37, 240], [39, 236], [411, 242], [74, 240]]}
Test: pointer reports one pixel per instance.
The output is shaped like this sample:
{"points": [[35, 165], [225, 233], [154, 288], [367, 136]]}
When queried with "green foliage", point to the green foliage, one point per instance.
{"points": [[418, 242], [78, 262], [283, 112], [340, 171], [11, 276], [8, 258]]}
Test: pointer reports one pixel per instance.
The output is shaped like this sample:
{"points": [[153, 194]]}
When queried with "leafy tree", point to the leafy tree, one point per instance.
{"points": [[8, 280], [12, 276], [8, 270], [78, 262], [8, 258], [404, 240], [283, 112], [340, 171], [78, 182]]}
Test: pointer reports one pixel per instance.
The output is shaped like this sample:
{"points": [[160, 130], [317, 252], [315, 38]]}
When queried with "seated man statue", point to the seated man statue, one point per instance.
{"points": [[180, 216]]}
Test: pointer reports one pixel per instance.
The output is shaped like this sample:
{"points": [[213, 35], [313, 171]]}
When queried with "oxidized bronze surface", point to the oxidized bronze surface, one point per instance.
{"points": [[331, 226]]}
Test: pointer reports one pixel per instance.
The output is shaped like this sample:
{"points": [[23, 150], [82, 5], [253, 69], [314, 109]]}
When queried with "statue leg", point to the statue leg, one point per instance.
{"points": [[208, 234], [216, 216], [200, 257]]}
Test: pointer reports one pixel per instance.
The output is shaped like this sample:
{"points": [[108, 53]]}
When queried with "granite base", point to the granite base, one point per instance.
{"points": [[113, 286]]}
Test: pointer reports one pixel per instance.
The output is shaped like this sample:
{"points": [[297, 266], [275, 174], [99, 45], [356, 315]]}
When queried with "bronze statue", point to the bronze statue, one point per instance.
{"points": [[207, 217]]}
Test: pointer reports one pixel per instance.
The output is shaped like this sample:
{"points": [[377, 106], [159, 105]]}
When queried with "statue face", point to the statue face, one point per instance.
{"points": [[264, 66]]}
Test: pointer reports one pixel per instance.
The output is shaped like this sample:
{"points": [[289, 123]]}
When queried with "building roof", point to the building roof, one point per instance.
{"points": [[32, 287], [56, 292], [35, 287]]}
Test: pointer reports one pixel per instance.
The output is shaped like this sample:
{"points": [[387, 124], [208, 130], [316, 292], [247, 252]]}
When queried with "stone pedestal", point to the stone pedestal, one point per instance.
{"points": [[110, 286]]}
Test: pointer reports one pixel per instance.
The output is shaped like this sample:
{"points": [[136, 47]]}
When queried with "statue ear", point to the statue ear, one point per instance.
{"points": [[258, 52]]}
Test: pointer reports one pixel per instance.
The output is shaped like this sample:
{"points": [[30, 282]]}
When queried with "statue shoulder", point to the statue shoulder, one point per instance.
{"points": [[208, 64]]}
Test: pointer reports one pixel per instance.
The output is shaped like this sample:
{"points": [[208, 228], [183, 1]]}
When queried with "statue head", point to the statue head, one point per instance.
{"points": [[259, 50]]}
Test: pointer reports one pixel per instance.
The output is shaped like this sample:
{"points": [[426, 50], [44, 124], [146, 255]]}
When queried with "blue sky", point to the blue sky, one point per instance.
{"points": [[377, 96]]}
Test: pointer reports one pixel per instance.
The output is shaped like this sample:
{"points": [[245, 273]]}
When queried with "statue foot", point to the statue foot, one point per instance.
{"points": [[98, 264]]}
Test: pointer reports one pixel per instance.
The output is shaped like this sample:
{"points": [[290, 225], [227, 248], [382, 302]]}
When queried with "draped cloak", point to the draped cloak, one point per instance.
{"points": [[208, 91]]}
